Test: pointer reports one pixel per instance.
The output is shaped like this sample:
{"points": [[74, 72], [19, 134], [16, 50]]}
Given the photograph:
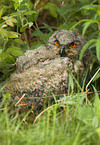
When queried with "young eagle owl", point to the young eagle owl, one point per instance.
{"points": [[45, 70]]}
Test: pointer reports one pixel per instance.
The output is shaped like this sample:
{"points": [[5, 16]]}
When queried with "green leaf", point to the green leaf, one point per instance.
{"points": [[36, 3], [5, 25], [16, 5], [86, 25], [22, 29], [0, 50], [3, 55], [71, 83], [81, 21], [95, 91], [97, 107], [16, 1], [5, 17], [91, 7], [15, 51], [12, 49], [7, 95], [65, 10], [10, 23], [98, 48], [12, 34], [3, 9], [7, 66], [98, 131], [3, 32], [95, 122], [30, 13], [30, 24], [13, 20], [85, 47], [85, 114], [52, 8], [96, 77], [19, 41]]}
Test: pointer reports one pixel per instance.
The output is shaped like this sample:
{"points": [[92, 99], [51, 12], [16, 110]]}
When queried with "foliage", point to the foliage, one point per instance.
{"points": [[10, 47], [75, 123], [94, 22]]}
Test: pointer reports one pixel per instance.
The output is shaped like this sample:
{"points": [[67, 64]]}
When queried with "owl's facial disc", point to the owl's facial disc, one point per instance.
{"points": [[65, 43], [67, 50], [63, 48]]}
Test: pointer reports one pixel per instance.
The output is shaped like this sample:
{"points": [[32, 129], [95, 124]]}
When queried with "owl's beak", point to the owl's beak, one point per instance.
{"points": [[62, 51]]}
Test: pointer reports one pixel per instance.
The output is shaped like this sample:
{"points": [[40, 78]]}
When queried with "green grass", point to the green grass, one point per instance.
{"points": [[68, 122]]}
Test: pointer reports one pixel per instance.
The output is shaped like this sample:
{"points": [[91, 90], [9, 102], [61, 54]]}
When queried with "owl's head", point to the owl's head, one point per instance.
{"points": [[66, 43]]}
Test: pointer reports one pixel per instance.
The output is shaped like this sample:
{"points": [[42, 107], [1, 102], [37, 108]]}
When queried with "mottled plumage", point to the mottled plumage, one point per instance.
{"points": [[45, 70]]}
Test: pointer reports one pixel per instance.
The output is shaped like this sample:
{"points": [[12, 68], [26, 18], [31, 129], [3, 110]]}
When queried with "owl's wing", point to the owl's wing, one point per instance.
{"points": [[34, 57]]}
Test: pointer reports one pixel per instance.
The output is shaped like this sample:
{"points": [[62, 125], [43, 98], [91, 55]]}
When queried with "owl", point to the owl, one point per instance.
{"points": [[45, 71]]}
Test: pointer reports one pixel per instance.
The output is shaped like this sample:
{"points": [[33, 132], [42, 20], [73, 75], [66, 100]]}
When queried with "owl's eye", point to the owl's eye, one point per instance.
{"points": [[72, 44], [56, 42]]}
